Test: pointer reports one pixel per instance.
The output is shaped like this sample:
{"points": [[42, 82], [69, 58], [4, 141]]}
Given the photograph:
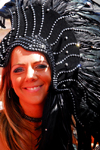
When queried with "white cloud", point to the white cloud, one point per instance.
{"points": [[2, 2]]}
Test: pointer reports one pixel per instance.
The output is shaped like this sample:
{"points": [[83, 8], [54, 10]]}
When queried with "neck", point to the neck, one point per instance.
{"points": [[32, 110]]}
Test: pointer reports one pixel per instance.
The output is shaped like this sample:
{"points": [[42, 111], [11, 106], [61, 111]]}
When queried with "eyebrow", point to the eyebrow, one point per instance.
{"points": [[33, 63]]}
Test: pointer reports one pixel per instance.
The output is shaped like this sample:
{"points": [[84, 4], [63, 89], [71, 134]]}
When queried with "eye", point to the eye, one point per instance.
{"points": [[20, 69], [41, 67]]}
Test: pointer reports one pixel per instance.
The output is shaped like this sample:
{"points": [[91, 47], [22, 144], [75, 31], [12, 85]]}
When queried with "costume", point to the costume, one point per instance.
{"points": [[70, 41]]}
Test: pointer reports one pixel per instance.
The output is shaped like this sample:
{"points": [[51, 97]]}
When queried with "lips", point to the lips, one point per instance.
{"points": [[33, 89]]}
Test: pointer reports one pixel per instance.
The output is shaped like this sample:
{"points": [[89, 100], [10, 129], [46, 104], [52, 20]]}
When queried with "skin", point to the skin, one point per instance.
{"points": [[30, 85]]}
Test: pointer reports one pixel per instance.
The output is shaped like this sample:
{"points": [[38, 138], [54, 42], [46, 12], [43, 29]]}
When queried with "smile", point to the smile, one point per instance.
{"points": [[33, 89]]}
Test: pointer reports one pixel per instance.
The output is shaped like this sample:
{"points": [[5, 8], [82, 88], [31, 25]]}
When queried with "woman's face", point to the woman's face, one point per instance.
{"points": [[30, 76]]}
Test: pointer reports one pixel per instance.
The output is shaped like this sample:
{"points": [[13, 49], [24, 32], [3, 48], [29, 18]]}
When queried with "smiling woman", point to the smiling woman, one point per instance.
{"points": [[30, 78], [36, 59]]}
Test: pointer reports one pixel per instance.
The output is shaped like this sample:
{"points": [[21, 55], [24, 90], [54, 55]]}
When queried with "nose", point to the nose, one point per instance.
{"points": [[30, 74]]}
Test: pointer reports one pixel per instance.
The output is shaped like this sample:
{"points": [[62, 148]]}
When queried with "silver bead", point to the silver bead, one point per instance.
{"points": [[64, 85], [48, 10], [5, 38], [78, 44], [66, 38], [13, 29], [13, 13], [66, 52], [7, 43], [66, 64], [43, 46], [26, 7], [79, 65]]}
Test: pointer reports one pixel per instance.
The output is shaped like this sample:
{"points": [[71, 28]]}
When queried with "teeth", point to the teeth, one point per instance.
{"points": [[33, 88]]}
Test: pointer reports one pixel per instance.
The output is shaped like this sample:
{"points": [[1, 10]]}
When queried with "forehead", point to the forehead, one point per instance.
{"points": [[21, 55]]}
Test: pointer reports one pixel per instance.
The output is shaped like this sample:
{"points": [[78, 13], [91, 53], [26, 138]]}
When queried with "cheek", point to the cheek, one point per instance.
{"points": [[47, 78], [16, 81]]}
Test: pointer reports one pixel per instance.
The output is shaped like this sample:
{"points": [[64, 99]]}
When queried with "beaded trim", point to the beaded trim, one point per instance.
{"points": [[26, 22], [42, 20], [33, 11], [18, 17], [38, 43]]}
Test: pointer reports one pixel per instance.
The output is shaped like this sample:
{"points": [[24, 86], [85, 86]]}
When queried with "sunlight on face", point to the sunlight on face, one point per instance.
{"points": [[30, 76]]}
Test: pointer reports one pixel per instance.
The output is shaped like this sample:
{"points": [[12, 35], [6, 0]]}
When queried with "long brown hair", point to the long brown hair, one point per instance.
{"points": [[11, 121]]}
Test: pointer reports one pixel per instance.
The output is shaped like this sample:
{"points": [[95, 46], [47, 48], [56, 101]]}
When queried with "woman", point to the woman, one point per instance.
{"points": [[30, 78], [32, 65], [42, 85]]}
